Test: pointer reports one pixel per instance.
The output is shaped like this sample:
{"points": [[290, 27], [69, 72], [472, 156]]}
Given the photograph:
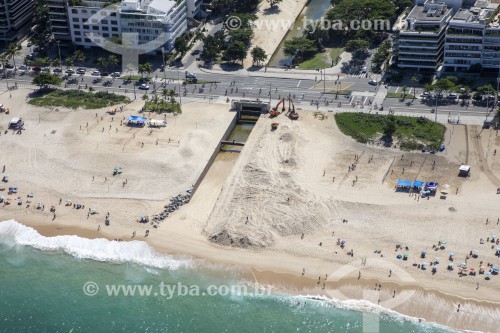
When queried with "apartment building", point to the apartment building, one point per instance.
{"points": [[466, 44], [463, 37], [145, 19], [418, 38], [16, 18]]}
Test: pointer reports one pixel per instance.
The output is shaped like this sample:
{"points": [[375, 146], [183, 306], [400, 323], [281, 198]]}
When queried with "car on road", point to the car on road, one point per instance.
{"points": [[116, 74], [31, 56], [46, 69], [425, 94], [190, 75], [104, 73], [452, 96], [144, 86], [80, 70], [69, 71], [57, 70], [8, 66], [23, 67], [36, 69], [96, 73], [195, 52], [29, 44], [373, 82], [363, 70]]}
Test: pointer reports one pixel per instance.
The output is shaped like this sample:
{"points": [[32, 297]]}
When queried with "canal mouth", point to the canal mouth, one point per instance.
{"points": [[239, 134]]}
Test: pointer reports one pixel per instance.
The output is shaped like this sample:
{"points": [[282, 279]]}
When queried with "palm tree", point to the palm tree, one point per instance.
{"points": [[145, 97], [414, 81], [12, 51], [130, 68], [56, 62], [147, 69], [79, 57], [141, 69], [404, 88], [172, 94], [101, 63], [112, 61], [70, 61], [164, 93]]}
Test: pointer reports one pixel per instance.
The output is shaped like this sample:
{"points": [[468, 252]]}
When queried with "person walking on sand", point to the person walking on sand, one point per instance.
{"points": [[133, 234], [359, 275], [147, 233], [99, 227]]}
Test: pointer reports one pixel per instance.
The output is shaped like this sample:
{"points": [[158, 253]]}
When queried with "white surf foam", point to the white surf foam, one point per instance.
{"points": [[14, 233]]}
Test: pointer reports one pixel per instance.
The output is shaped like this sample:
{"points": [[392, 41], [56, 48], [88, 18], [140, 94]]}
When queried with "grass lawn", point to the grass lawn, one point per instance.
{"points": [[399, 95], [341, 92], [322, 60], [77, 98], [411, 132]]}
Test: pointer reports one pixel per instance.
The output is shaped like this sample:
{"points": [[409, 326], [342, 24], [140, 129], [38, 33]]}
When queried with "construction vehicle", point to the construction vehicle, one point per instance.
{"points": [[274, 112], [274, 126], [291, 110]]}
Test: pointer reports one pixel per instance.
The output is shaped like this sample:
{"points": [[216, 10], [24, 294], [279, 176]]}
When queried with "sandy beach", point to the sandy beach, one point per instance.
{"points": [[279, 208]]}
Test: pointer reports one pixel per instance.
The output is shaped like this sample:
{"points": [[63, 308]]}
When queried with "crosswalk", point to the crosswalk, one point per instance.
{"points": [[357, 75]]}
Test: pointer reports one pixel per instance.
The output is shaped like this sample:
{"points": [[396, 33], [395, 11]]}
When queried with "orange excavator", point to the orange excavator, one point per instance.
{"points": [[274, 111], [291, 111]]}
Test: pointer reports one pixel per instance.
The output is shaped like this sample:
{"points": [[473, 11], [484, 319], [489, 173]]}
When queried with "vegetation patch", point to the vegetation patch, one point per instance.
{"points": [[411, 132], [77, 99]]}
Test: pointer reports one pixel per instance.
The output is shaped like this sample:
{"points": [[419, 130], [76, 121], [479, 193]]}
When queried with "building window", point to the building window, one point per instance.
{"points": [[104, 21], [76, 19], [78, 32], [114, 29], [78, 39], [86, 26], [114, 22], [105, 35], [87, 40], [74, 11], [103, 13], [113, 14], [84, 11], [95, 27], [76, 26], [94, 21]]}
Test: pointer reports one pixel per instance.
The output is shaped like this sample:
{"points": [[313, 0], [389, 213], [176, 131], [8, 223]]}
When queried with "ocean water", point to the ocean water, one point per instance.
{"points": [[46, 283]]}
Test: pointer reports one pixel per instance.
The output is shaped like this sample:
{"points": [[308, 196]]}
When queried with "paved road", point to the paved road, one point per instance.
{"points": [[308, 92]]}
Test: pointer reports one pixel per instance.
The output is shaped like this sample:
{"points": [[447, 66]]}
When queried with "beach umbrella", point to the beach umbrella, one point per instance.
{"points": [[493, 237], [452, 254], [472, 269], [450, 265], [1, 197], [487, 274], [424, 264], [494, 269], [436, 258], [435, 266], [424, 252]]}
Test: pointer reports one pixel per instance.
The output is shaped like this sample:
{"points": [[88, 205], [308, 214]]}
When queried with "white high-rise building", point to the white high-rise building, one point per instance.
{"points": [[146, 19]]}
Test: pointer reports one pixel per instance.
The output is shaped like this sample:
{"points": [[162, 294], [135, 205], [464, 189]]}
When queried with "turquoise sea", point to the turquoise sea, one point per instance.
{"points": [[42, 283]]}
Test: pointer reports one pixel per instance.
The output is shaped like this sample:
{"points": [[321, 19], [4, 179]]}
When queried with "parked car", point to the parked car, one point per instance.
{"points": [[363, 70], [80, 70], [8, 66], [69, 71], [190, 75], [452, 96], [96, 73], [144, 86], [57, 70], [116, 74], [104, 73], [426, 94], [36, 69], [373, 82], [46, 69], [23, 67]]}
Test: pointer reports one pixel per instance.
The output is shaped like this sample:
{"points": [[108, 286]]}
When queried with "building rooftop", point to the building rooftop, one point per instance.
{"points": [[431, 11]]}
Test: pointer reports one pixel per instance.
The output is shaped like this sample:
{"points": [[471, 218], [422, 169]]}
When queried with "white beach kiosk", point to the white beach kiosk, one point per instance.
{"points": [[464, 170]]}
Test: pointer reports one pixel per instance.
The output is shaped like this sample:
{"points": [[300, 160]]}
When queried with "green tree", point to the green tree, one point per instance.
{"points": [[56, 62], [236, 51], [405, 89], [414, 81], [171, 95], [258, 55], [12, 51], [79, 57], [443, 85], [43, 80], [390, 127], [101, 63], [113, 61], [181, 45], [300, 47], [273, 3], [357, 47], [145, 68], [211, 47], [70, 61]]}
